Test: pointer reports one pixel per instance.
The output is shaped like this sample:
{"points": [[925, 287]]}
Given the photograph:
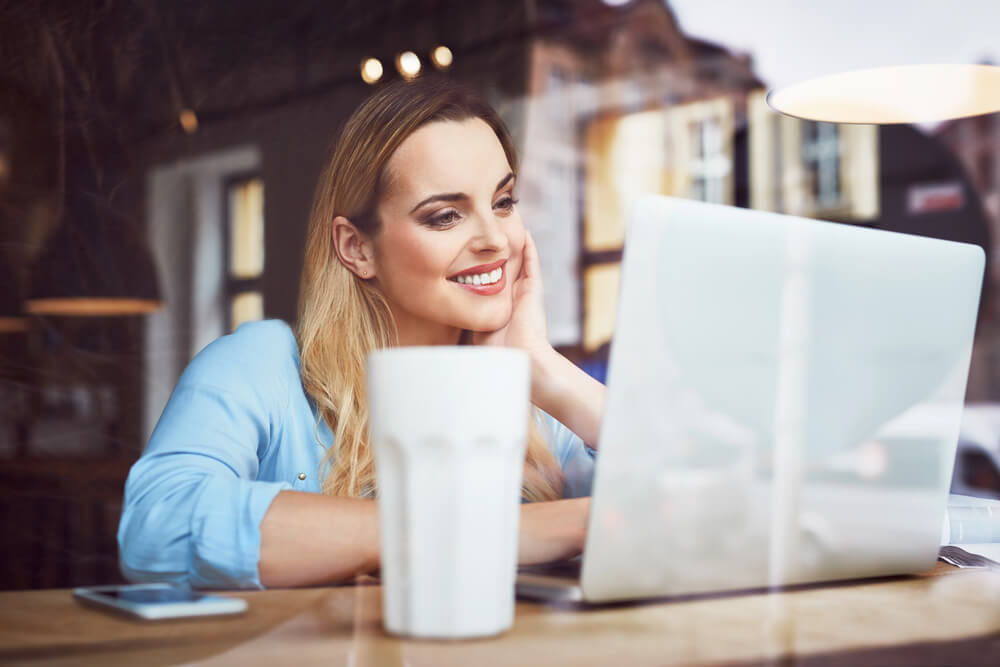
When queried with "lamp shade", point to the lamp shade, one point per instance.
{"points": [[891, 95], [94, 263]]}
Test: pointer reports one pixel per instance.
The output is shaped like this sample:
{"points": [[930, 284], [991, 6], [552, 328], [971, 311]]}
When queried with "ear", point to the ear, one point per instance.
{"points": [[353, 247]]}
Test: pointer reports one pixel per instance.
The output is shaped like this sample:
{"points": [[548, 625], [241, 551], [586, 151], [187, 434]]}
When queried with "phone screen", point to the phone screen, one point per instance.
{"points": [[152, 595]]}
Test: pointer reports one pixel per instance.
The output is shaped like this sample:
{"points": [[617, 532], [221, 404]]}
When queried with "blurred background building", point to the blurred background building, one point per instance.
{"points": [[157, 163]]}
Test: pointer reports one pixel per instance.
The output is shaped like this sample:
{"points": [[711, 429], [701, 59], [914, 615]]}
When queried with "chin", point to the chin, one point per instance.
{"points": [[487, 322]]}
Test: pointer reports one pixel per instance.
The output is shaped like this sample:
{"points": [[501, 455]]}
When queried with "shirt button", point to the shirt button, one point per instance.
{"points": [[302, 475]]}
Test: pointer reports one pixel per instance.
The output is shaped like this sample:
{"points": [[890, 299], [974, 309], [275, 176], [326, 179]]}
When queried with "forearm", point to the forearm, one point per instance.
{"points": [[307, 539], [571, 396], [552, 530]]}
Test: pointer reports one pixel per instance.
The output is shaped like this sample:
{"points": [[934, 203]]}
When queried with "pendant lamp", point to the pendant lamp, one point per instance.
{"points": [[95, 263], [891, 95]]}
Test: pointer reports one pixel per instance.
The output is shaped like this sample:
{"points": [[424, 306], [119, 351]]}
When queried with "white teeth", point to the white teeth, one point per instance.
{"points": [[481, 278]]}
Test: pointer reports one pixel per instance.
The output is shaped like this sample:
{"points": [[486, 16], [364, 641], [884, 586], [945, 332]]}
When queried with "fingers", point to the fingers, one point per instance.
{"points": [[530, 266]]}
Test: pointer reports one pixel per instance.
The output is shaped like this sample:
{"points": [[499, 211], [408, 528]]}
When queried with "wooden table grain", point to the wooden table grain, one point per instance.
{"points": [[945, 617]]}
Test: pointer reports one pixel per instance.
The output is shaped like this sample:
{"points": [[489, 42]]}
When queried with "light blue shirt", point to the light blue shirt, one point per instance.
{"points": [[238, 429]]}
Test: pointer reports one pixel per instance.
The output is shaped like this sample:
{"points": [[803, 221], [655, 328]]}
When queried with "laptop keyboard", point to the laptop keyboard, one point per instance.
{"points": [[567, 569]]}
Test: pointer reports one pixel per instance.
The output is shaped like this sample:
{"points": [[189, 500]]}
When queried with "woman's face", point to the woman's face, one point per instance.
{"points": [[451, 239]]}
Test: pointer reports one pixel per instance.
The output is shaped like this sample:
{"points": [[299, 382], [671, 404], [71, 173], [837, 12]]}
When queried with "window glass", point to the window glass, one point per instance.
{"points": [[246, 307], [246, 228]]}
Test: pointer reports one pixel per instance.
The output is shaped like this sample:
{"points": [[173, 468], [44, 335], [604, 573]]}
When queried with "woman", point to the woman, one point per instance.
{"points": [[259, 473]]}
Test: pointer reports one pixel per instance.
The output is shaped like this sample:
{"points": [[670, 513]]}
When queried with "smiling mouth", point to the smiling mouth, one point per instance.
{"points": [[489, 274]]}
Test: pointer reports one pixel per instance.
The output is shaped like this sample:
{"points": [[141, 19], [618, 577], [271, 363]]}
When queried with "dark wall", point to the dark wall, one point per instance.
{"points": [[909, 157]]}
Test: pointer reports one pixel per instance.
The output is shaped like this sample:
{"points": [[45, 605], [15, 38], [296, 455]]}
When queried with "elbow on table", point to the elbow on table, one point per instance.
{"points": [[145, 554], [186, 533]]}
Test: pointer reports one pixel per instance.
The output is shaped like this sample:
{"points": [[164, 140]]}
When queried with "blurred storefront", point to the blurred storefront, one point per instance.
{"points": [[631, 105]]}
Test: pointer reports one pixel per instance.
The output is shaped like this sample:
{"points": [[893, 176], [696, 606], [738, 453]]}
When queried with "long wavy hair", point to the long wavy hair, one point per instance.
{"points": [[341, 317]]}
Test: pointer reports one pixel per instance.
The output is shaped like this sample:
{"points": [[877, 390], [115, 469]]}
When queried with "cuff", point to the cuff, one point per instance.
{"points": [[225, 532]]}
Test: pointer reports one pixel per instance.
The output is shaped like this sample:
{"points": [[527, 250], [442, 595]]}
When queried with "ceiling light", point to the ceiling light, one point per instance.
{"points": [[95, 263], [189, 121], [441, 57], [888, 95], [408, 64], [371, 70]]}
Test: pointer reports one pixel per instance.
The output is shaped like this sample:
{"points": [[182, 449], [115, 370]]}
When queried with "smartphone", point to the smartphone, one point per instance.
{"points": [[158, 601]]}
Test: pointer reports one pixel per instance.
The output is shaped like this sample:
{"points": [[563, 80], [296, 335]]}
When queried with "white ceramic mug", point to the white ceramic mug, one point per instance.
{"points": [[449, 427]]}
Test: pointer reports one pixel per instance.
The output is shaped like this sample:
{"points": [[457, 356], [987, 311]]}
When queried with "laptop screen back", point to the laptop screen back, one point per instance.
{"points": [[784, 401]]}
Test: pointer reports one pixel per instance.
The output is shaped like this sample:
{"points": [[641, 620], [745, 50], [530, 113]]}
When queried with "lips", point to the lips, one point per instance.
{"points": [[483, 279], [482, 268]]}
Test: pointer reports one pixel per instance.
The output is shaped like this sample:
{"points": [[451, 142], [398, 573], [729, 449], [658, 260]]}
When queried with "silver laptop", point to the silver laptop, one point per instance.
{"points": [[784, 401]]}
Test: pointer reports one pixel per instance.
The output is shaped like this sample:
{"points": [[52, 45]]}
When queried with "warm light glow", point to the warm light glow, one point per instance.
{"points": [[441, 57], [408, 64], [189, 121], [13, 324], [371, 70], [887, 95], [92, 306]]}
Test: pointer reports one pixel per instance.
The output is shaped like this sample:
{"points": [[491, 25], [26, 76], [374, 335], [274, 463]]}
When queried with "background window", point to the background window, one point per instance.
{"points": [[601, 289], [821, 155], [245, 256], [710, 163]]}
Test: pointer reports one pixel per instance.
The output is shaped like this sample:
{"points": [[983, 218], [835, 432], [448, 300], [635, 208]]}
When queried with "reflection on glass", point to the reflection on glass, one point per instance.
{"points": [[626, 156], [710, 164], [821, 154], [888, 95], [803, 403], [812, 169]]}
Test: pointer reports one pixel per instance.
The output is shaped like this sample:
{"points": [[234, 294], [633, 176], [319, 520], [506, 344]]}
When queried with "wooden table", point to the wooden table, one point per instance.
{"points": [[946, 617]]}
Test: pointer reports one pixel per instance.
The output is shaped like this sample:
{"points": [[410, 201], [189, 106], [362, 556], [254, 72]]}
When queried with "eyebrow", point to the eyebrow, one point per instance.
{"points": [[458, 196]]}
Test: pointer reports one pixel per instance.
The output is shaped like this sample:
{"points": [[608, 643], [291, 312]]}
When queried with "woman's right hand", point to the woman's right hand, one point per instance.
{"points": [[553, 530]]}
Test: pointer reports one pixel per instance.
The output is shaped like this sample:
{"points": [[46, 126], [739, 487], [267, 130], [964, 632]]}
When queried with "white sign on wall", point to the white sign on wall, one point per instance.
{"points": [[934, 197]]}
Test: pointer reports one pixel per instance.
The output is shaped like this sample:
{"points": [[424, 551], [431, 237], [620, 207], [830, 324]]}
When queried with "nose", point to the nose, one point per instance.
{"points": [[490, 235]]}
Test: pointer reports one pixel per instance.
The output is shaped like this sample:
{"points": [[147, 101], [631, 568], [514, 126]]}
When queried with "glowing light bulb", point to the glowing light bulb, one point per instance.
{"points": [[408, 64], [189, 121], [442, 57], [371, 70]]}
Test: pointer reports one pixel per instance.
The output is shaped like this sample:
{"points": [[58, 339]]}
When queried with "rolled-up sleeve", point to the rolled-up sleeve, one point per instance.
{"points": [[576, 459], [193, 504]]}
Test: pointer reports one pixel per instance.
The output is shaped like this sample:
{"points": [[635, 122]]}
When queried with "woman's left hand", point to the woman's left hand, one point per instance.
{"points": [[526, 327], [557, 386]]}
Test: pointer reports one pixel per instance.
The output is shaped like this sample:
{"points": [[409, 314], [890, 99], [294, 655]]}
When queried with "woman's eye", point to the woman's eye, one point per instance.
{"points": [[506, 203], [445, 219]]}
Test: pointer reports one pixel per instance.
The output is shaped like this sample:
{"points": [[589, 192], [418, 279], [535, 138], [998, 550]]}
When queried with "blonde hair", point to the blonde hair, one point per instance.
{"points": [[343, 317]]}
